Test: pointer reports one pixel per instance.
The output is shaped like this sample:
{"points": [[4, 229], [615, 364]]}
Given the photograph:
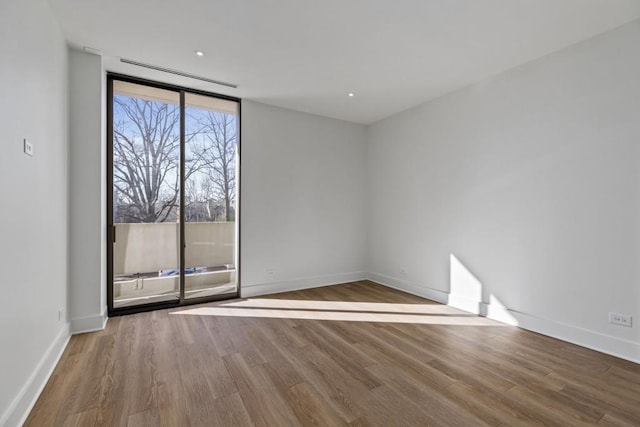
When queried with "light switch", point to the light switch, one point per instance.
{"points": [[28, 147]]}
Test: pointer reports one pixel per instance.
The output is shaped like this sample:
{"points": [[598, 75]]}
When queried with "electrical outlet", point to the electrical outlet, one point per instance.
{"points": [[270, 272], [620, 319], [28, 147], [60, 314]]}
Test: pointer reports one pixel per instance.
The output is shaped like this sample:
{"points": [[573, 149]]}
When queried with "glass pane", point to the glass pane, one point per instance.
{"points": [[146, 194], [211, 127]]}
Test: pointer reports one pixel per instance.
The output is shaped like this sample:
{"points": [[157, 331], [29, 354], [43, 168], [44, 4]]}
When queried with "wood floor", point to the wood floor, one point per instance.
{"points": [[354, 354]]}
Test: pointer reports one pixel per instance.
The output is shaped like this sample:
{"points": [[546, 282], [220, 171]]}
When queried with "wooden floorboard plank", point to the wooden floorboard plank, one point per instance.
{"points": [[347, 357], [262, 399], [82, 419], [176, 368], [548, 410], [386, 407], [312, 408], [488, 405], [432, 400], [228, 411], [336, 384], [148, 418]]}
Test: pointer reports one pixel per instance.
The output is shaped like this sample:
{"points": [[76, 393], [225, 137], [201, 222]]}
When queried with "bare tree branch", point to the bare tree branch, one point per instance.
{"points": [[146, 151]]}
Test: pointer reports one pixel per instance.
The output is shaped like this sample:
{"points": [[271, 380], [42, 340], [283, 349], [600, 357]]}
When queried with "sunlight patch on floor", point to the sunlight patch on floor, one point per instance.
{"points": [[344, 306], [424, 314]]}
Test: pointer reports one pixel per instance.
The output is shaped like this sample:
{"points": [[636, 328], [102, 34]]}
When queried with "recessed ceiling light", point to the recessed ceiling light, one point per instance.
{"points": [[351, 94], [199, 53]]}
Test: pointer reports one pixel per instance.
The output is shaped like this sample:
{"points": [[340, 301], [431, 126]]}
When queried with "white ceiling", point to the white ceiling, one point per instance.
{"points": [[307, 55]]}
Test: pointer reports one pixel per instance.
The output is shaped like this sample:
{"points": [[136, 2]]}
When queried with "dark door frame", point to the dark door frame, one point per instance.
{"points": [[182, 301]]}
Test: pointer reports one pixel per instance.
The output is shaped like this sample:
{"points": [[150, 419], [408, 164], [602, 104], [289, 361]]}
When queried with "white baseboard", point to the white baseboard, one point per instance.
{"points": [[603, 343], [16, 414], [409, 287], [499, 313], [89, 324], [299, 284], [597, 341], [466, 304]]}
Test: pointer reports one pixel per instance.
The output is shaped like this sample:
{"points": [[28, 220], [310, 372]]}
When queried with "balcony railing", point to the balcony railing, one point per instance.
{"points": [[146, 259]]}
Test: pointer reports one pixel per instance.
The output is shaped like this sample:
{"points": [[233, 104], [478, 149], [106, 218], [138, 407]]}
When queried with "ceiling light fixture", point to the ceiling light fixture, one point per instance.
{"points": [[351, 94], [199, 53]]}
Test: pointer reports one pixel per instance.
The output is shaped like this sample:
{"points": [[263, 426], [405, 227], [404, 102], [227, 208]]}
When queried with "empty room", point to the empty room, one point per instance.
{"points": [[331, 213]]}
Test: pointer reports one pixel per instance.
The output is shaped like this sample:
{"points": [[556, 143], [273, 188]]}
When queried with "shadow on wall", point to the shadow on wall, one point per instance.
{"points": [[466, 292]]}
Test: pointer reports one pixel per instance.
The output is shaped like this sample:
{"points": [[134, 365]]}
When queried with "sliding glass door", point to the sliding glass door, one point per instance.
{"points": [[210, 195], [146, 193], [173, 207]]}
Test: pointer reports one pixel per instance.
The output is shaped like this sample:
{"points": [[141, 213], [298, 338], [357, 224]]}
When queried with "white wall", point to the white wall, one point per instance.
{"points": [[33, 217], [87, 204], [532, 181], [302, 200]]}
